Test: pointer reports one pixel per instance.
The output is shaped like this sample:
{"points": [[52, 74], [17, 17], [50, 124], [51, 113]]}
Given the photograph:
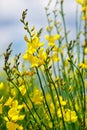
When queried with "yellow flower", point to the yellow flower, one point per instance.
{"points": [[9, 102], [22, 90], [29, 73], [51, 44], [76, 106], [25, 56], [19, 107], [86, 50], [82, 2], [13, 114], [0, 108], [52, 108], [70, 116], [1, 85], [37, 97], [42, 57], [79, 1], [70, 88], [84, 17], [6, 118], [52, 38], [84, 8], [21, 117], [59, 113], [50, 125], [49, 28], [63, 102], [66, 63], [14, 103], [1, 99], [35, 53], [83, 65], [34, 61], [30, 105], [34, 43], [48, 97], [13, 126], [55, 57], [13, 92]]}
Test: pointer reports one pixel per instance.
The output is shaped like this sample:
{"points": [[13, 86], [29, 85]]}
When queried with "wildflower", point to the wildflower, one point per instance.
{"points": [[21, 117], [0, 108], [22, 90], [82, 2], [51, 44], [9, 102], [52, 38], [1, 99], [55, 57], [42, 57], [35, 54], [29, 73], [52, 108], [66, 62], [13, 126], [76, 106], [14, 103], [1, 85], [50, 125], [63, 102], [49, 28], [37, 97], [70, 88], [5, 118], [13, 92], [48, 97], [79, 1], [13, 114], [30, 105], [70, 116], [84, 17], [86, 50], [83, 65], [84, 8], [59, 113]]}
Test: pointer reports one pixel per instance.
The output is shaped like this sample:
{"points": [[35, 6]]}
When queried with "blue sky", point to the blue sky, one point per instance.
{"points": [[11, 29]]}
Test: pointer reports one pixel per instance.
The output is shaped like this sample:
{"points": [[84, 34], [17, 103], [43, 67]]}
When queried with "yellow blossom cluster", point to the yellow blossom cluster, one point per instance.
{"points": [[13, 114], [1, 85], [37, 97], [35, 53], [84, 8], [52, 43]]}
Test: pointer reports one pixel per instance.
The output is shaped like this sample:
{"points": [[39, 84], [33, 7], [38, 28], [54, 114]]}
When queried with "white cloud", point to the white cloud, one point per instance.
{"points": [[11, 8], [10, 14]]}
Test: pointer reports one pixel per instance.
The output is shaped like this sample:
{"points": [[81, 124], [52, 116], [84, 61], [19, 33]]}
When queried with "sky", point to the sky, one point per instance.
{"points": [[11, 29]]}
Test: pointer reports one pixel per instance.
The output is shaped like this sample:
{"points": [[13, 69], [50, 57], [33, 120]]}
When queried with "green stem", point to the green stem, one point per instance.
{"points": [[34, 107], [84, 100], [58, 101], [44, 96], [64, 24]]}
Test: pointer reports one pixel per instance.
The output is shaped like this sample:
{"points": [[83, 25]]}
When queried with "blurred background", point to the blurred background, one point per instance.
{"points": [[11, 29]]}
